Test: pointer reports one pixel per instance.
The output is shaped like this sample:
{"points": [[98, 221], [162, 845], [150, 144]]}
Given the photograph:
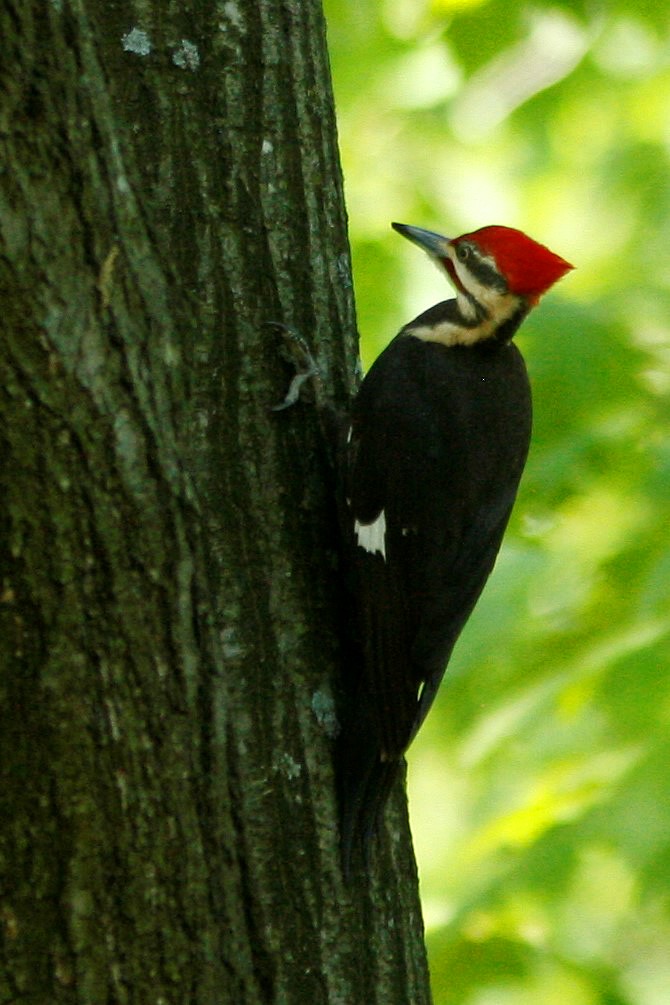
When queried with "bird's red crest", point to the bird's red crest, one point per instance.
{"points": [[529, 268]]}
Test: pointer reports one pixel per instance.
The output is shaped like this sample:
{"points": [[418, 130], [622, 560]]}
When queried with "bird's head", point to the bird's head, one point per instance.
{"points": [[497, 272]]}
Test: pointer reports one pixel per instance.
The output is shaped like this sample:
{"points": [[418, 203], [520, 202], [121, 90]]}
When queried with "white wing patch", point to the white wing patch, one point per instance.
{"points": [[372, 536]]}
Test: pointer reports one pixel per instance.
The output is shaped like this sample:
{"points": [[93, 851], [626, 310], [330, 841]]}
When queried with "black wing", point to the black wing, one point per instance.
{"points": [[438, 442]]}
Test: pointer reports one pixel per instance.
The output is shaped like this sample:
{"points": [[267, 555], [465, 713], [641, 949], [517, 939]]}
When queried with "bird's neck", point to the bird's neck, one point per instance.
{"points": [[466, 321]]}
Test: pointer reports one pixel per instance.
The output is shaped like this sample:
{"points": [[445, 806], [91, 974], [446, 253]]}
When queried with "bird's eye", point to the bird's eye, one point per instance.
{"points": [[462, 252]]}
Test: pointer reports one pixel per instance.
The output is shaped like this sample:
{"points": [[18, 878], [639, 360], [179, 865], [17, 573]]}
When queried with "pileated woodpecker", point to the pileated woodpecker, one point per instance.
{"points": [[438, 440]]}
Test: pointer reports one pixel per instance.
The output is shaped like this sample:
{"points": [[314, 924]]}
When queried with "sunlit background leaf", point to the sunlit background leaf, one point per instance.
{"points": [[540, 785]]}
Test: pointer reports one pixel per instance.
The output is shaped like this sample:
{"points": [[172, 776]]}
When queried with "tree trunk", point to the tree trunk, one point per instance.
{"points": [[169, 584]]}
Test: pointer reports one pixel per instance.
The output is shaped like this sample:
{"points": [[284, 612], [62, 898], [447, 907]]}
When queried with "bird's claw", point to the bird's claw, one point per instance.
{"points": [[302, 359]]}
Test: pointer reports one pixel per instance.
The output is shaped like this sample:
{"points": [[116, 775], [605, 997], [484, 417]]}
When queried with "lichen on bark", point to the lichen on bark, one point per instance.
{"points": [[168, 556]]}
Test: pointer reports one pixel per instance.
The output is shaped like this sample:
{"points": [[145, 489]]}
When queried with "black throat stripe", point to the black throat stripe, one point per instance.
{"points": [[508, 328]]}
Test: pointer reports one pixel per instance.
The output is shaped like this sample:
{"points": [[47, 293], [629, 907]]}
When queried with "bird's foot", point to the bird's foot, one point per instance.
{"points": [[298, 352]]}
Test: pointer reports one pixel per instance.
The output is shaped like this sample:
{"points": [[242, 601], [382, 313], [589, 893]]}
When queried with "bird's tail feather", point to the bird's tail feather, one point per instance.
{"points": [[365, 786]]}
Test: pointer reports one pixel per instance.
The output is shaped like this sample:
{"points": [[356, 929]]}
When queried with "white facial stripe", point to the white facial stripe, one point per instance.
{"points": [[492, 300], [467, 278], [372, 536], [490, 305], [446, 333], [449, 333], [466, 306]]}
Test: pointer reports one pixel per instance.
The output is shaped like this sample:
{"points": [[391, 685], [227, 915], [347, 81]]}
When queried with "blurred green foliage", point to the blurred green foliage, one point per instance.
{"points": [[540, 785]]}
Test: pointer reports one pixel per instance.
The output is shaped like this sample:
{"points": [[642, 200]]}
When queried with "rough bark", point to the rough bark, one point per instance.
{"points": [[169, 182]]}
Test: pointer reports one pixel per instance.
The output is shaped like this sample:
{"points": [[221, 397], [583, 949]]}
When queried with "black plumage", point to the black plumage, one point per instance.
{"points": [[438, 441], [439, 435]]}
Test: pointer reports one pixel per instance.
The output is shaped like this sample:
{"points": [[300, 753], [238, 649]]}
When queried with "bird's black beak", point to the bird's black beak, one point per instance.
{"points": [[428, 240]]}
